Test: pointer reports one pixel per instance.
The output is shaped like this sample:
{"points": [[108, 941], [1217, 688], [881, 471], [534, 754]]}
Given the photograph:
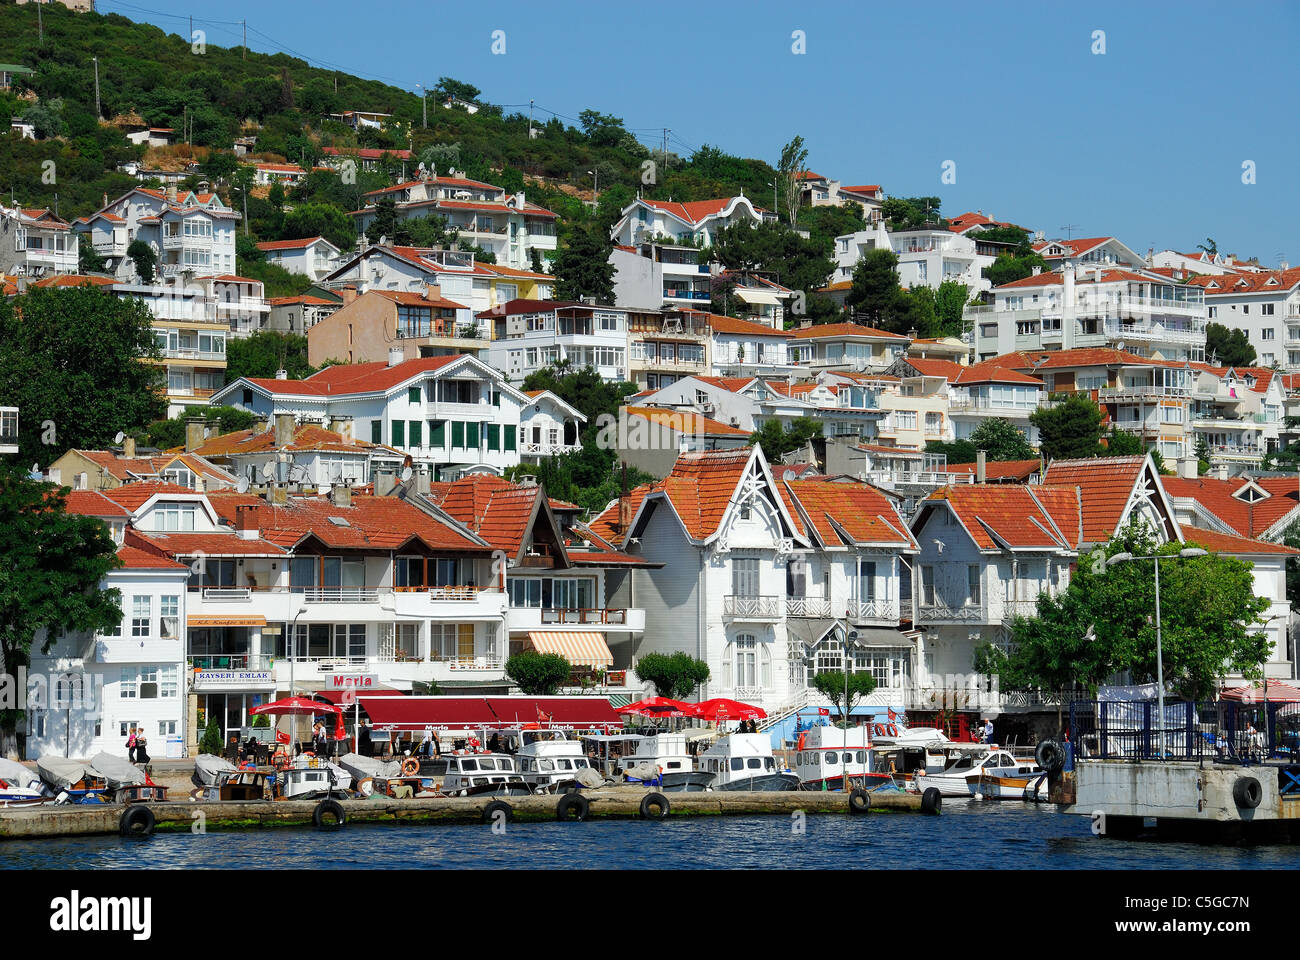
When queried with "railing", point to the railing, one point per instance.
{"points": [[445, 592], [182, 353], [549, 449], [942, 613], [612, 615], [861, 611], [1019, 608], [752, 607], [230, 661], [1223, 731], [1143, 393], [807, 607], [933, 478], [469, 663], [1001, 409], [786, 710], [338, 594], [222, 594]]}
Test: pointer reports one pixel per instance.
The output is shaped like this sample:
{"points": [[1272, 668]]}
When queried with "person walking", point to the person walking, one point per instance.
{"points": [[130, 745]]}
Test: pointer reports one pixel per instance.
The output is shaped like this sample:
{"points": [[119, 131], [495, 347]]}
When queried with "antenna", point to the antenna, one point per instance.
{"points": [[268, 470], [120, 437], [242, 486], [1069, 229]]}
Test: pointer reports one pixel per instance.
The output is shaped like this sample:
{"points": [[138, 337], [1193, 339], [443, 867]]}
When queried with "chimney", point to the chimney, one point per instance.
{"points": [[395, 356], [385, 480], [341, 494], [128, 448], [279, 494], [1220, 471], [624, 514], [348, 294], [421, 480], [282, 374], [171, 191], [283, 429], [1188, 468], [432, 291], [194, 433], [1036, 270], [246, 521], [342, 426], [979, 466], [519, 200]]}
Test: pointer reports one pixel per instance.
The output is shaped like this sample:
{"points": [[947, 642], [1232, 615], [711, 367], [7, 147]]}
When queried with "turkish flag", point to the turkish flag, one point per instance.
{"points": [[824, 711], [281, 737]]}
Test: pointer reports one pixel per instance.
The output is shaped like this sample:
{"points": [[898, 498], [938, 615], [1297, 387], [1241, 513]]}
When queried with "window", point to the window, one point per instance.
{"points": [[510, 436], [458, 434], [169, 617], [438, 433], [973, 583], [866, 580], [904, 419], [493, 437], [414, 433], [927, 586], [1268, 333], [399, 433], [933, 423], [471, 435], [376, 431], [744, 577], [141, 612], [413, 394], [175, 516], [409, 571], [747, 662]]}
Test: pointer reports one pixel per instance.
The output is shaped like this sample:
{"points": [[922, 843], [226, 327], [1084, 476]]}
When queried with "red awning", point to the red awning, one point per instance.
{"points": [[416, 713], [1278, 692], [566, 711]]}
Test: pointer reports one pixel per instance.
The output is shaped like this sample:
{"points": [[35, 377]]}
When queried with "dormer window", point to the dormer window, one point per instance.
{"points": [[171, 515]]}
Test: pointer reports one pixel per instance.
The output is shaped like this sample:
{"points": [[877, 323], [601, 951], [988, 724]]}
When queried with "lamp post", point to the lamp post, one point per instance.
{"points": [[1186, 552], [595, 187], [293, 651]]}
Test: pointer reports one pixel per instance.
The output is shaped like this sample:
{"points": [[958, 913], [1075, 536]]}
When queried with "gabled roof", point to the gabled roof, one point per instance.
{"points": [[1221, 499], [720, 324], [306, 437], [847, 514], [1077, 246], [350, 379], [1028, 361], [1271, 281], [299, 244], [1009, 516], [1018, 470], [134, 558], [1110, 487], [694, 212], [1217, 542], [837, 331], [684, 421], [135, 495], [92, 503]]}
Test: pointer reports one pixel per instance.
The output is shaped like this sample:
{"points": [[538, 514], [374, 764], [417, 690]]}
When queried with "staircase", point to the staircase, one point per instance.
{"points": [[784, 712]]}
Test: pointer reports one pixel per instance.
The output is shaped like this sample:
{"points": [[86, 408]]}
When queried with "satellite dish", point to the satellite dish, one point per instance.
{"points": [[242, 486], [120, 437], [268, 470], [406, 474]]}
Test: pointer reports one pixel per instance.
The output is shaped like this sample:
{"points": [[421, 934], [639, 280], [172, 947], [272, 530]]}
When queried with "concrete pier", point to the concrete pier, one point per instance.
{"points": [[619, 802]]}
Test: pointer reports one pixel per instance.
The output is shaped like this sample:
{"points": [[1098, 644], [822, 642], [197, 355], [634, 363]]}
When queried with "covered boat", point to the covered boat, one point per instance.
{"points": [[362, 767], [744, 761], [19, 785], [210, 771], [61, 773], [18, 776], [117, 772]]}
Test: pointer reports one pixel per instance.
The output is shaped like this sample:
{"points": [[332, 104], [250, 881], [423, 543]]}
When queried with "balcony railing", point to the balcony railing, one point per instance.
{"points": [[230, 661], [818, 607], [549, 449], [1143, 392], [612, 615], [751, 607], [942, 613], [1019, 608], [861, 611]]}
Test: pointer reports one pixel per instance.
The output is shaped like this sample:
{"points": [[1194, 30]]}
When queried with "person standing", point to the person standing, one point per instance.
{"points": [[130, 745]]}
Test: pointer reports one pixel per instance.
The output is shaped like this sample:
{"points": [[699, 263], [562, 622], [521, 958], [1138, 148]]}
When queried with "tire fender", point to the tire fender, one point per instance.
{"points": [[654, 806]]}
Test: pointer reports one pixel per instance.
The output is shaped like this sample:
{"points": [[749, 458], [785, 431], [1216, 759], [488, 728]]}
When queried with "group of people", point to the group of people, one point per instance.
{"points": [[135, 746]]}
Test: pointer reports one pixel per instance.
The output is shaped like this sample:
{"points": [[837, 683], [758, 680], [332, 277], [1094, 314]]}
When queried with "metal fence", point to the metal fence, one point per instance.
{"points": [[1223, 730]]}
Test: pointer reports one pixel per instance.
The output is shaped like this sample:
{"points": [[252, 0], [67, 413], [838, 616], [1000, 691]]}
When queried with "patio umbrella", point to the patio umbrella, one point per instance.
{"points": [[657, 707], [1278, 692], [297, 706], [723, 709]]}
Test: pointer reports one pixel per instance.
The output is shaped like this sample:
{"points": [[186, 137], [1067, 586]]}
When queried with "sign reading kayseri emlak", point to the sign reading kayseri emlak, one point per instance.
{"points": [[352, 681], [233, 680]]}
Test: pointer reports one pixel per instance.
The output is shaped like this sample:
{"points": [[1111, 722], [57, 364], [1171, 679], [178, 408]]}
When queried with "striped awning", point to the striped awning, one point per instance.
{"points": [[580, 648]]}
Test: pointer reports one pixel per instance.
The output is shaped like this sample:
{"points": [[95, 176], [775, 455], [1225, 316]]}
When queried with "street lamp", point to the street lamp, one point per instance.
{"points": [[595, 188], [293, 651], [1185, 553]]}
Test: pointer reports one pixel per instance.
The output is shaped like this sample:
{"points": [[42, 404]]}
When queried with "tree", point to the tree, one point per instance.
{"points": [[1009, 267], [1070, 429], [1001, 440], [166, 434], [88, 261], [211, 742], [1122, 443], [53, 563], [320, 220], [775, 251], [912, 213], [75, 361], [583, 268], [538, 674], [831, 685], [776, 439], [1228, 347], [1209, 247], [794, 160], [263, 353], [145, 259], [447, 87], [384, 223], [675, 676], [875, 291], [1104, 623]]}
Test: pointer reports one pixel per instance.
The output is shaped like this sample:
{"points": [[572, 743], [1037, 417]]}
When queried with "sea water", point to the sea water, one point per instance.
{"points": [[968, 835]]}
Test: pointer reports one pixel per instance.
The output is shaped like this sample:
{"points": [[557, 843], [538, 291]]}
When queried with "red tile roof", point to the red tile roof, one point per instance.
{"points": [[999, 469], [133, 558], [1052, 278], [693, 212], [1227, 543], [686, 422], [306, 436], [1079, 246], [1278, 281], [1025, 361], [1107, 484], [843, 513], [1248, 520], [826, 330], [134, 495], [721, 324], [226, 544], [290, 244], [92, 503], [351, 378], [1010, 516]]}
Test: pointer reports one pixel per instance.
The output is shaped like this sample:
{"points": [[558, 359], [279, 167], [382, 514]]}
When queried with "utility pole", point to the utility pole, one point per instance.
{"points": [[244, 50], [40, 24], [530, 118], [96, 60]]}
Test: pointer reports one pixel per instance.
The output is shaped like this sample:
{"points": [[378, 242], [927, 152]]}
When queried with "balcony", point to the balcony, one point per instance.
{"points": [[138, 650], [244, 305], [751, 607], [1018, 608], [548, 449], [1142, 394], [873, 611], [809, 607], [184, 353], [942, 613], [987, 407], [617, 619], [230, 661]]}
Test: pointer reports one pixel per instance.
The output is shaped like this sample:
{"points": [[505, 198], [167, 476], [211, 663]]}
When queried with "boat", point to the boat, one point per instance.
{"points": [[664, 759], [20, 786], [744, 761], [607, 750], [547, 758], [1003, 776], [906, 752], [73, 781], [470, 774], [952, 780], [310, 778], [826, 754], [126, 782], [372, 777], [210, 770]]}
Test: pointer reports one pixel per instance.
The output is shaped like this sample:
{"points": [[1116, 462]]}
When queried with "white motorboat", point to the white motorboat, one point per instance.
{"points": [[665, 760], [825, 754], [309, 778], [474, 773], [1003, 776], [546, 758], [20, 786], [744, 761], [607, 750], [963, 763]]}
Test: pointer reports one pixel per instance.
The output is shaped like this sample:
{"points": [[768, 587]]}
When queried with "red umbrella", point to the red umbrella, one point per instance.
{"points": [[724, 709], [298, 705], [1277, 693], [657, 707]]}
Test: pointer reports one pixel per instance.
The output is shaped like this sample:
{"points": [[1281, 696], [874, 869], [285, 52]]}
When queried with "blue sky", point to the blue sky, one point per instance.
{"points": [[1145, 142]]}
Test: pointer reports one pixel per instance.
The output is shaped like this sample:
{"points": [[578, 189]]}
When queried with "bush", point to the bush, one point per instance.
{"points": [[674, 677], [538, 674], [212, 741]]}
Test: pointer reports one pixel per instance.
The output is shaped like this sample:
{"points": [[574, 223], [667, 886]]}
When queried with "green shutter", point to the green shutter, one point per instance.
{"points": [[376, 431], [413, 394], [471, 435], [415, 430], [437, 433], [510, 436], [457, 434], [494, 436], [496, 398], [399, 432]]}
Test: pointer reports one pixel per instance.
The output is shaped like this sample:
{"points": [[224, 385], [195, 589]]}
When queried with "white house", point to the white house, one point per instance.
{"points": [[1266, 306], [313, 257], [528, 335], [692, 224]]}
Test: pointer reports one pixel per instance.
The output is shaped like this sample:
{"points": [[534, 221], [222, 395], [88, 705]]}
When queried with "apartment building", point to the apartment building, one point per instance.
{"points": [[1087, 252], [455, 414], [692, 225], [37, 243], [1236, 414], [530, 335], [742, 348], [313, 257], [370, 325], [1265, 305], [1148, 315], [839, 347], [505, 225], [926, 258], [664, 346]]}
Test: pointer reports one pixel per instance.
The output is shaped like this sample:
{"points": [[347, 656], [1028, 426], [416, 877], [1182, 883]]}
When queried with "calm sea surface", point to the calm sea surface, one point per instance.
{"points": [[968, 835]]}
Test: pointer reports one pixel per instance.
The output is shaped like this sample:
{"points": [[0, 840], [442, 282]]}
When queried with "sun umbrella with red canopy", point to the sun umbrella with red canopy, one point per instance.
{"points": [[291, 706], [657, 707], [1278, 692], [721, 708]]}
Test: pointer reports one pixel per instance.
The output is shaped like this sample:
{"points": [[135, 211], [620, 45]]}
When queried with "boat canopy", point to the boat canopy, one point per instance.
{"points": [[60, 771], [116, 771], [208, 770], [17, 775]]}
